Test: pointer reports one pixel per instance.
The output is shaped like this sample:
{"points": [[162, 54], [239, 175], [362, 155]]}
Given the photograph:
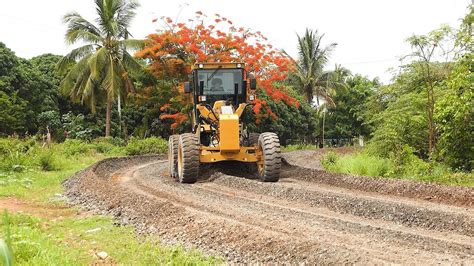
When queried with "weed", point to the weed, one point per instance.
{"points": [[47, 161], [6, 256], [153, 145], [299, 146]]}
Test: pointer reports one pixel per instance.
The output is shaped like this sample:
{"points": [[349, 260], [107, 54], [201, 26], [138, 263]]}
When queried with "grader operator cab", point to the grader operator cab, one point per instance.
{"points": [[220, 93]]}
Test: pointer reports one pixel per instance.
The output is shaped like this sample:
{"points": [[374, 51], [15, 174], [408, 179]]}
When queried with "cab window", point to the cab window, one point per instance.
{"points": [[220, 81]]}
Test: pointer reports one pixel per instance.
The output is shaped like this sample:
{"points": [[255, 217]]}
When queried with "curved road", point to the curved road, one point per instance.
{"points": [[293, 221]]}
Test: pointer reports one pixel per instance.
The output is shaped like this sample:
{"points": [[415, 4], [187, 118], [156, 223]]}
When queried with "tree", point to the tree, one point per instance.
{"points": [[347, 119], [28, 89], [310, 76], [102, 72], [173, 50], [425, 48], [454, 116]]}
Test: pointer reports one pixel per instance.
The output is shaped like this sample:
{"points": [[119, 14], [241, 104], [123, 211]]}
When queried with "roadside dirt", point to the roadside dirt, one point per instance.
{"points": [[309, 216], [14, 205]]}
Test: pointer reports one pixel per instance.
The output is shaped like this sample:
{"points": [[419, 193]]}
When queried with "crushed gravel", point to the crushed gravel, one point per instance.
{"points": [[309, 216]]}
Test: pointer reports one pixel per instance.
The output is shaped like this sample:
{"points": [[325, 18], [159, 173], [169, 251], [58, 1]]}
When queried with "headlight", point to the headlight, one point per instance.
{"points": [[201, 66], [239, 65]]}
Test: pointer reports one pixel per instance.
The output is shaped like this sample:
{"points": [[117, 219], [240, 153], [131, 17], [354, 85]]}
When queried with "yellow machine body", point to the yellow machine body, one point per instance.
{"points": [[220, 94], [229, 132], [228, 143]]}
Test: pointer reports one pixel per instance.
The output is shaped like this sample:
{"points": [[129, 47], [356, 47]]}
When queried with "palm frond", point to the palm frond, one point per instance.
{"points": [[71, 58], [79, 29]]}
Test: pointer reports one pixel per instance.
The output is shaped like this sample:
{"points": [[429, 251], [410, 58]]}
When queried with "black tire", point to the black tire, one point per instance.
{"points": [[173, 143], [268, 150], [253, 139], [188, 158]]}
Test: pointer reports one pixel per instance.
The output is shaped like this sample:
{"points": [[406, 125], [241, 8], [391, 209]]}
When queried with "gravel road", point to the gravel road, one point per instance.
{"points": [[309, 216]]}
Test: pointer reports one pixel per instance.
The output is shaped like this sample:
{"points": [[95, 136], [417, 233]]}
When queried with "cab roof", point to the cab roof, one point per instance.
{"points": [[215, 65]]}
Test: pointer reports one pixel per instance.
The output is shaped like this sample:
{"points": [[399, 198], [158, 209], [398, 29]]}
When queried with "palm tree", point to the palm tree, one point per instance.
{"points": [[98, 71], [310, 75]]}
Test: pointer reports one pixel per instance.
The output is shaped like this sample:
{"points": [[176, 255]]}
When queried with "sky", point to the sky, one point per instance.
{"points": [[370, 34]]}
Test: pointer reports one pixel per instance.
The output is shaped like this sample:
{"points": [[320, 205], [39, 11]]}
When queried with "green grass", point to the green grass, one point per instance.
{"points": [[39, 241], [299, 146], [412, 167], [34, 174]]}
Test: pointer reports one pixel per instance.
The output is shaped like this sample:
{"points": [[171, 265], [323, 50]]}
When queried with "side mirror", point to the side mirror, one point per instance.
{"points": [[187, 87], [253, 84]]}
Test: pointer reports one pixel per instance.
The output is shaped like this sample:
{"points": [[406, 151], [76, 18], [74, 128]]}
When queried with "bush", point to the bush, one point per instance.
{"points": [[47, 161], [358, 164], [108, 145], [15, 153], [152, 145], [74, 146], [329, 159]]}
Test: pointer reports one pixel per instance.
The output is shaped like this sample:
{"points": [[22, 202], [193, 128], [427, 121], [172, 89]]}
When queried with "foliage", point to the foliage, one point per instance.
{"points": [[47, 161], [424, 49], [348, 119], [152, 145], [102, 73], [405, 164], [454, 116], [25, 92], [310, 77], [357, 164], [293, 124], [173, 50], [298, 146], [329, 159], [6, 256], [403, 117]]}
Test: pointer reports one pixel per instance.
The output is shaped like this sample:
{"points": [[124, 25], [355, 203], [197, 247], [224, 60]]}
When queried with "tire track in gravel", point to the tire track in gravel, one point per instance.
{"points": [[301, 219], [309, 222]]}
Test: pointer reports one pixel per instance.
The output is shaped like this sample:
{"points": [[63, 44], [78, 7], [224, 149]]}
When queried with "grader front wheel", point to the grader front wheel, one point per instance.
{"points": [[188, 158], [269, 157]]}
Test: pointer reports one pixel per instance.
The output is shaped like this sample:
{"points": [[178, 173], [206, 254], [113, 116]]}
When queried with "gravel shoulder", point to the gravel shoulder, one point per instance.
{"points": [[309, 216]]}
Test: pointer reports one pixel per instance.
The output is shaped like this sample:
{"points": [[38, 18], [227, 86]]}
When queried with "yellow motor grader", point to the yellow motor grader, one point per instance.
{"points": [[220, 93]]}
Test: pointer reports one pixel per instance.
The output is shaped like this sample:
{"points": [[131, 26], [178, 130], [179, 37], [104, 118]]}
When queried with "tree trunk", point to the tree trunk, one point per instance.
{"points": [[107, 117], [324, 121], [309, 95]]}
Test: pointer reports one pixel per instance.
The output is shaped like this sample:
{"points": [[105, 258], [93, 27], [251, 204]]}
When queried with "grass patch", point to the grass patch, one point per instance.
{"points": [[34, 174], [73, 241], [151, 145], [299, 146], [409, 167]]}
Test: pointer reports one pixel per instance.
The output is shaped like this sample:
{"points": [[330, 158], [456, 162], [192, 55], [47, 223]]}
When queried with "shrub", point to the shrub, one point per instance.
{"points": [[358, 164], [74, 146], [108, 145], [47, 161], [329, 159], [15, 153], [152, 145]]}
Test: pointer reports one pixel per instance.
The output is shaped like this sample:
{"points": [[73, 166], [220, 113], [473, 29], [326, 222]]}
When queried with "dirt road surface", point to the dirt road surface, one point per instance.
{"points": [[309, 216]]}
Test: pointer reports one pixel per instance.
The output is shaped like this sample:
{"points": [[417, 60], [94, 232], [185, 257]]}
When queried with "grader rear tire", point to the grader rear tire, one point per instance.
{"points": [[188, 158], [173, 143], [268, 153]]}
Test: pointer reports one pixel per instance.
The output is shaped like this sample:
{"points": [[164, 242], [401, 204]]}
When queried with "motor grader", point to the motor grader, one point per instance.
{"points": [[220, 93]]}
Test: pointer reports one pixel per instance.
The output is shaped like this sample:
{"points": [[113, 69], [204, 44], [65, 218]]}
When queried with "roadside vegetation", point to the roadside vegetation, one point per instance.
{"points": [[406, 166], [49, 232], [55, 111]]}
